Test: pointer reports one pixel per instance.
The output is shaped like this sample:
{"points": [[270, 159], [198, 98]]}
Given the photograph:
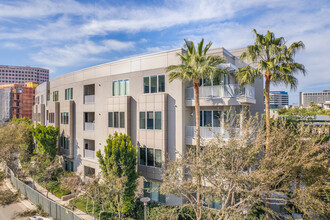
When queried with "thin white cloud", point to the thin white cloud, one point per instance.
{"points": [[81, 52]]}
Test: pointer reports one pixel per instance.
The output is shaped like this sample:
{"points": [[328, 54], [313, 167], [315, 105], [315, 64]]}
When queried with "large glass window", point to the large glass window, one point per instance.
{"points": [[151, 190], [146, 84], [153, 80], [153, 84], [55, 96], [150, 157], [69, 94], [150, 120], [64, 117], [116, 119], [158, 158], [210, 118], [142, 120], [161, 83], [143, 154], [122, 120], [158, 120]]}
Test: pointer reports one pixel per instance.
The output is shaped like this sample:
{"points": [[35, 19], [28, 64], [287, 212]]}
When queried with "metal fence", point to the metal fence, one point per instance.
{"points": [[54, 210]]}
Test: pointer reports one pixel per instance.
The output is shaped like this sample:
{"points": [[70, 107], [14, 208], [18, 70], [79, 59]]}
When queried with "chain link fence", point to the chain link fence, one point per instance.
{"points": [[54, 210]]}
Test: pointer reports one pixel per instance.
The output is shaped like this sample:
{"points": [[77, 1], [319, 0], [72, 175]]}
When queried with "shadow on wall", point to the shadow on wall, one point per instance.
{"points": [[171, 127]]}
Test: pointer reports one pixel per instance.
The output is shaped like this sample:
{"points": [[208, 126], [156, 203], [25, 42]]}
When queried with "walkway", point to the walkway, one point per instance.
{"points": [[51, 196]]}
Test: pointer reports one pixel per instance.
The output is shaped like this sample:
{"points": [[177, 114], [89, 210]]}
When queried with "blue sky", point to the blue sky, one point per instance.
{"points": [[68, 35]]}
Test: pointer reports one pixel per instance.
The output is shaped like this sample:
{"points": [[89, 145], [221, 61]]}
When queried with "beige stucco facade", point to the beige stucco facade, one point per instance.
{"points": [[172, 111]]}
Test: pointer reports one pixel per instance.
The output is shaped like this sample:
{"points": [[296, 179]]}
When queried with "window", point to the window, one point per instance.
{"points": [[146, 84], [143, 154], [42, 99], [116, 119], [55, 96], [153, 80], [120, 87], [151, 190], [158, 120], [69, 165], [151, 120], [65, 142], [122, 120], [64, 117], [158, 158], [142, 120], [150, 157], [69, 94], [110, 119], [51, 117], [153, 84], [210, 118]]}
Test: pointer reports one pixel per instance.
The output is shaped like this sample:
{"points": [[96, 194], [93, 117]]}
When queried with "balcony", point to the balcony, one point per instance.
{"points": [[89, 154], [89, 94], [231, 94], [89, 119], [206, 133], [89, 99], [89, 126]]}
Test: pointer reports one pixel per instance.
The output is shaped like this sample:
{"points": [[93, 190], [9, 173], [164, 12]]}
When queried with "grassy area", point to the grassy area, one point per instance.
{"points": [[56, 188], [80, 203]]}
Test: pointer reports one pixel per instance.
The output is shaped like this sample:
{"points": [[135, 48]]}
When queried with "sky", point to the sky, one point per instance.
{"points": [[69, 35]]}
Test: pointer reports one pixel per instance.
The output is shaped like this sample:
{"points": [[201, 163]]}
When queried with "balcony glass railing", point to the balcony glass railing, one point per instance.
{"points": [[89, 126], [89, 99], [221, 91], [90, 154]]}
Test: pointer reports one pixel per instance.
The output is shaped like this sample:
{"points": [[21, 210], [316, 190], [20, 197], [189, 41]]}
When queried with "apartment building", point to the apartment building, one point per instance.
{"points": [[16, 101], [319, 98], [134, 96], [279, 99], [23, 74]]}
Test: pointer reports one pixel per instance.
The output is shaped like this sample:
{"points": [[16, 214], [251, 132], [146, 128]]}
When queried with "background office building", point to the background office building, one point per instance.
{"points": [[279, 99], [16, 101], [319, 98], [23, 74], [134, 96]]}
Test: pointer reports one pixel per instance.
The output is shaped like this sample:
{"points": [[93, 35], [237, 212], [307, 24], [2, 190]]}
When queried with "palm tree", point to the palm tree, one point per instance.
{"points": [[275, 61], [196, 65]]}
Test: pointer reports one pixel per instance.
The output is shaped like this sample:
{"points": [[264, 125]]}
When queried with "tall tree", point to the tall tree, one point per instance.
{"points": [[46, 138], [119, 162], [275, 61], [196, 65]]}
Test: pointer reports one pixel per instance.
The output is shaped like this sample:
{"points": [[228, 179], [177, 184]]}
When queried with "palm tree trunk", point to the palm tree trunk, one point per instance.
{"points": [[197, 114], [267, 87]]}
